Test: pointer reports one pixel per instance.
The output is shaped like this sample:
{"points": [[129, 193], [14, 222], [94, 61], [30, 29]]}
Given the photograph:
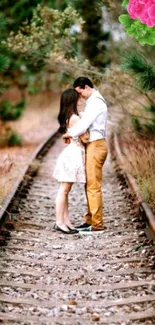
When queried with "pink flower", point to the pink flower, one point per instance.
{"points": [[135, 8], [144, 10], [151, 12]]}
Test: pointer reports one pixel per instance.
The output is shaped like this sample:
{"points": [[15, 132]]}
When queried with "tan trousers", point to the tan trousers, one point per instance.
{"points": [[96, 153]]}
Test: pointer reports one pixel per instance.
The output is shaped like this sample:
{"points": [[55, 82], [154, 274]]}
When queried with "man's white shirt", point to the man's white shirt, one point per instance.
{"points": [[94, 118]]}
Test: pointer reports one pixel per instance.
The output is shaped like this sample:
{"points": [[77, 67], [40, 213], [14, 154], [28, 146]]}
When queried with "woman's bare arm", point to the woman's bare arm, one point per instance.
{"points": [[75, 119]]}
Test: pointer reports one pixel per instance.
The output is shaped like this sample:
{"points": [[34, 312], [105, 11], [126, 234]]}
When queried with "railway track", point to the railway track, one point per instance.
{"points": [[51, 278]]}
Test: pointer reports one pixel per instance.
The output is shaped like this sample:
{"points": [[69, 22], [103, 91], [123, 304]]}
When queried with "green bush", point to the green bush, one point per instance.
{"points": [[9, 111], [14, 140]]}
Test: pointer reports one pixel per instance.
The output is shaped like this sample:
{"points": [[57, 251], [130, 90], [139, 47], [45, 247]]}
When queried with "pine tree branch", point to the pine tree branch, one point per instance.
{"points": [[134, 115], [137, 101], [151, 101]]}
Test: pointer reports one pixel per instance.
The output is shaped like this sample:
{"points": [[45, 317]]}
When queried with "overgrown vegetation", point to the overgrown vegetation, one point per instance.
{"points": [[129, 88], [139, 154], [140, 150]]}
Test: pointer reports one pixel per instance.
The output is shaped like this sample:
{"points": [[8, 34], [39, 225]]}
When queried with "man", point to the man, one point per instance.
{"points": [[94, 118]]}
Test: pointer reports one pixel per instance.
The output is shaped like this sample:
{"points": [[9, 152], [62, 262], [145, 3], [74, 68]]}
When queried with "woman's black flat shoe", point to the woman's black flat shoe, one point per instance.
{"points": [[74, 231], [63, 231]]}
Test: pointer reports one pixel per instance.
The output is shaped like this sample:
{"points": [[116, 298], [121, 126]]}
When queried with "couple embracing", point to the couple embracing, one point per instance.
{"points": [[83, 158]]}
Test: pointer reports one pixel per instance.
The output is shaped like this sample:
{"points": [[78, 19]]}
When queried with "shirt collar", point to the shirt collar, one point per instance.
{"points": [[94, 94]]}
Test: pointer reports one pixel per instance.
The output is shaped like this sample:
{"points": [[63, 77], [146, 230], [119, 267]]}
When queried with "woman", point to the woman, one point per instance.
{"points": [[70, 167]]}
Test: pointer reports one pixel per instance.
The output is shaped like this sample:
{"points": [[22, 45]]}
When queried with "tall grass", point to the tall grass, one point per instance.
{"points": [[5, 169], [140, 161]]}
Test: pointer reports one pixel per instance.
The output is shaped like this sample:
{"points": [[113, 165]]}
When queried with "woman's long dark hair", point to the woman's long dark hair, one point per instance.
{"points": [[68, 107]]}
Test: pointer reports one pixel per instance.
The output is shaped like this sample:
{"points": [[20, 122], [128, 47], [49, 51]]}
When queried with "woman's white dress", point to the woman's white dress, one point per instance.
{"points": [[70, 166]]}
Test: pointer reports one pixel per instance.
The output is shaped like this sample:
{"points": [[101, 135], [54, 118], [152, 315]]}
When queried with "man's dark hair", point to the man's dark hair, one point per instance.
{"points": [[81, 82]]}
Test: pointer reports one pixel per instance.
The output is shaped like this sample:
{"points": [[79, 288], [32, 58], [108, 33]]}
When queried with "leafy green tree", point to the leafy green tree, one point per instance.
{"points": [[7, 110], [35, 34], [45, 36], [94, 39], [30, 40], [17, 12], [4, 59]]}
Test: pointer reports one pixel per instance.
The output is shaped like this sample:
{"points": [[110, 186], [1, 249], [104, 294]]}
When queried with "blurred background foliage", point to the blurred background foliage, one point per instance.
{"points": [[46, 44]]}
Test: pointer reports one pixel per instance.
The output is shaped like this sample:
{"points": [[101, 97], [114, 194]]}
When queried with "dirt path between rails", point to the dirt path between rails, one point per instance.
{"points": [[36, 124]]}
